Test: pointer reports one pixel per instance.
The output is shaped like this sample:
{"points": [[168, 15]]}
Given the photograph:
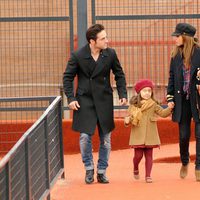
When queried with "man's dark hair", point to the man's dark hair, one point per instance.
{"points": [[93, 31]]}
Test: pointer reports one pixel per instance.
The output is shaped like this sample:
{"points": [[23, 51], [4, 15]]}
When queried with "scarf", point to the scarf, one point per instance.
{"points": [[136, 112], [186, 81]]}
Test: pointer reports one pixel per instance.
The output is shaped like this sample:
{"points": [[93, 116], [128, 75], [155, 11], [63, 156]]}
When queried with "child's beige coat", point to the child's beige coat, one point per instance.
{"points": [[144, 123]]}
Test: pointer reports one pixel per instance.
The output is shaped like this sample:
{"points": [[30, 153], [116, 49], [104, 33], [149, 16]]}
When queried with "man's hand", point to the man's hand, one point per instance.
{"points": [[123, 102], [74, 105]]}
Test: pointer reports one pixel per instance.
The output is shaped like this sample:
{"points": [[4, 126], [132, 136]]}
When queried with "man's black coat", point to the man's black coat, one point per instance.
{"points": [[94, 92]]}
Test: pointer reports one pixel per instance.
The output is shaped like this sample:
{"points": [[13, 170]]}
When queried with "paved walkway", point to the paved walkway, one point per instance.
{"points": [[165, 173]]}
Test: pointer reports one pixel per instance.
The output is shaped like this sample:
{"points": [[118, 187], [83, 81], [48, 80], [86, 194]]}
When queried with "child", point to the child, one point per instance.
{"points": [[144, 134]]}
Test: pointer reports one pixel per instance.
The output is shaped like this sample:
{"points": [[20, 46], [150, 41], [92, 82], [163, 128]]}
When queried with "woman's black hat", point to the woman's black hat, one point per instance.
{"points": [[184, 29]]}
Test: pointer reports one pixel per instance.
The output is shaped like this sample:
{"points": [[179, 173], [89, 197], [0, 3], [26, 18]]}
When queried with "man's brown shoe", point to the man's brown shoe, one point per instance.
{"points": [[184, 171]]}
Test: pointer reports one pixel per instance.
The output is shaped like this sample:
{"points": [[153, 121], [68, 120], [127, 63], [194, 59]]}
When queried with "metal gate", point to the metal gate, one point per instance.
{"points": [[140, 31], [36, 38]]}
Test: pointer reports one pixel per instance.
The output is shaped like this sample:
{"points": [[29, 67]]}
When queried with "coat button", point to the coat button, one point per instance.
{"points": [[178, 91], [91, 79]]}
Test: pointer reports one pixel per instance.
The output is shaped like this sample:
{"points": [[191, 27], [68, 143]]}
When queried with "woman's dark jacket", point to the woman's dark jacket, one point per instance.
{"points": [[175, 85], [94, 92]]}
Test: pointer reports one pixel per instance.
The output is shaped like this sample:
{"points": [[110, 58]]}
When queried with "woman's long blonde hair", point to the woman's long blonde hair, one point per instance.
{"points": [[186, 50]]}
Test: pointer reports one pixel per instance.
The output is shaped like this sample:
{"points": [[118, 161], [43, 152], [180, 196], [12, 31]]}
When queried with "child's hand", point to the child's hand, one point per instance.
{"points": [[171, 105]]}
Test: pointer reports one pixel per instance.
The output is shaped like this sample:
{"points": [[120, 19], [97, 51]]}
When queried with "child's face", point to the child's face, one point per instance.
{"points": [[146, 93]]}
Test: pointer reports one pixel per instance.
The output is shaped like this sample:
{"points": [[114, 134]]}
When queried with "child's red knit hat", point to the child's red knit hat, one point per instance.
{"points": [[142, 84]]}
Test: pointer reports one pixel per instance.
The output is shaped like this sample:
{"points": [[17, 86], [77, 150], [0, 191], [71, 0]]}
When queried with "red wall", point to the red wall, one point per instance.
{"points": [[10, 132], [168, 131]]}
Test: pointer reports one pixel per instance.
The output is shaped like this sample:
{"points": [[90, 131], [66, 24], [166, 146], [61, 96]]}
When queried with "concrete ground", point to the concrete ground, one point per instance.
{"points": [[165, 173]]}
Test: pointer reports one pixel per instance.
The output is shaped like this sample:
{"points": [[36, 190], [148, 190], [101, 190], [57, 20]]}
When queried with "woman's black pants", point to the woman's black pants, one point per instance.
{"points": [[185, 132]]}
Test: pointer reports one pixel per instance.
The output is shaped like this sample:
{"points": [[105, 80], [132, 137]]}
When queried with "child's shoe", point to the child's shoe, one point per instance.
{"points": [[148, 180], [136, 174]]}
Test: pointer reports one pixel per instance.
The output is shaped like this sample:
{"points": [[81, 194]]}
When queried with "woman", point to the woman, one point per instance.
{"points": [[182, 91]]}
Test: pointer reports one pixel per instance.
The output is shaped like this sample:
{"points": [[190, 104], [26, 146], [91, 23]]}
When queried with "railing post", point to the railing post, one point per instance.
{"points": [[93, 12], [61, 135], [62, 101], [71, 19], [81, 22], [8, 181], [47, 154], [28, 170]]}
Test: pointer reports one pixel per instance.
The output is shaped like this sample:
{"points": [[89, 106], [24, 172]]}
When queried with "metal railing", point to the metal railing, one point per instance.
{"points": [[31, 167]]}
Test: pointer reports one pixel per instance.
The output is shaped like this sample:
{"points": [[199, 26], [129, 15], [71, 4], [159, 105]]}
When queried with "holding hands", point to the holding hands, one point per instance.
{"points": [[198, 78], [171, 105]]}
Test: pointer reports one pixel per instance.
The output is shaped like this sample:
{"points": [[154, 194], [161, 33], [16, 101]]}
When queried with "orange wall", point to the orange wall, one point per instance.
{"points": [[168, 131]]}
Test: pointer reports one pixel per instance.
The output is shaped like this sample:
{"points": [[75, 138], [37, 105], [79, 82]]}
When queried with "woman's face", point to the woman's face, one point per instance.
{"points": [[178, 40], [146, 93]]}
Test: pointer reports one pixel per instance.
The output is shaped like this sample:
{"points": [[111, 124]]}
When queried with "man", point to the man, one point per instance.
{"points": [[93, 101]]}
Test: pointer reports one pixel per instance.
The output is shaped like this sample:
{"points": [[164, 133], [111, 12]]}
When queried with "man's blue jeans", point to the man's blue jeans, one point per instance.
{"points": [[104, 151]]}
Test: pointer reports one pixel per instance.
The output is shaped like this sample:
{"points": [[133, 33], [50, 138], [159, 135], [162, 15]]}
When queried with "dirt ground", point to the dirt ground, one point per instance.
{"points": [[165, 173]]}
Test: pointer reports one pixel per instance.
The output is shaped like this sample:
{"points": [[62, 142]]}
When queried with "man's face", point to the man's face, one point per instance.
{"points": [[102, 40]]}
